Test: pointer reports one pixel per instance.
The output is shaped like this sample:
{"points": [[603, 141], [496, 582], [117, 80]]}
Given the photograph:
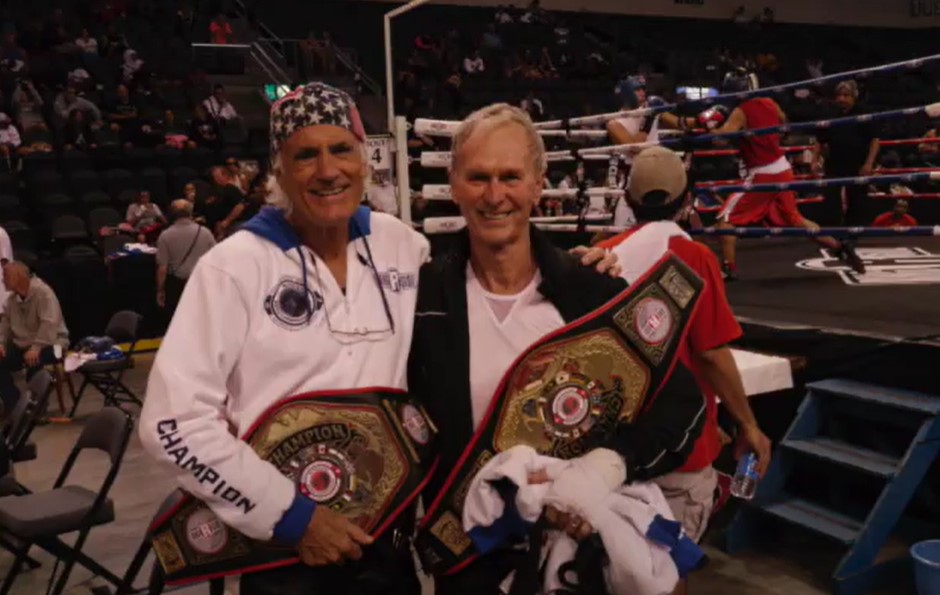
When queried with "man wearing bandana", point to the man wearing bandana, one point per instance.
{"points": [[314, 294]]}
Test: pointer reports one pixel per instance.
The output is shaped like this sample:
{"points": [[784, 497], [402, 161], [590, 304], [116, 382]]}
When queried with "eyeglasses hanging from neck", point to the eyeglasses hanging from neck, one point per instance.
{"points": [[358, 334]]}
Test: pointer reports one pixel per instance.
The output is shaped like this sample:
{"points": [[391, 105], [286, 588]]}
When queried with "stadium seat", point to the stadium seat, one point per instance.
{"points": [[84, 181], [11, 207], [154, 180], [117, 181]]}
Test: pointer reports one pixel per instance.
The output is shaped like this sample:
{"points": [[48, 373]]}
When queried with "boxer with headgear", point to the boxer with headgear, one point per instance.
{"points": [[763, 162]]}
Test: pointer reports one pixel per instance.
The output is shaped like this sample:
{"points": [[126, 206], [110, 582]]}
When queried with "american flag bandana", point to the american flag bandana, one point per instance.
{"points": [[311, 105]]}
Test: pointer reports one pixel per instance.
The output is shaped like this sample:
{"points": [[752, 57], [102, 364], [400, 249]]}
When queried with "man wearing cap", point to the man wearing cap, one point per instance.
{"points": [[315, 293], [657, 185]]}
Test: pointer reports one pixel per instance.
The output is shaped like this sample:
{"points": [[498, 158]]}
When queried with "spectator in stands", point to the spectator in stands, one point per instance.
{"points": [[78, 133], [222, 199], [533, 106], [9, 137], [179, 248], [6, 256], [145, 217], [86, 43], [220, 31], [131, 66], [491, 41], [69, 101], [453, 96], [473, 64], [203, 130], [185, 22], [11, 51], [189, 192], [32, 331], [122, 114], [237, 176], [898, 217], [27, 106], [244, 210], [219, 107]]}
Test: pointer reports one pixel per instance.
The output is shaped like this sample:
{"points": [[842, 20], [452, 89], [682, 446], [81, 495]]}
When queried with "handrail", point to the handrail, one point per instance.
{"points": [[279, 75], [227, 46]]}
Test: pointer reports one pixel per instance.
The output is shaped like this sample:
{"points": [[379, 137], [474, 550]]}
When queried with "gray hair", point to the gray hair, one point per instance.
{"points": [[277, 197], [495, 115]]}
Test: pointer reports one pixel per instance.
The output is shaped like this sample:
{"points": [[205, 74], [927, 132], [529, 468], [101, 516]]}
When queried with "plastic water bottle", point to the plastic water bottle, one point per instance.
{"points": [[744, 482]]}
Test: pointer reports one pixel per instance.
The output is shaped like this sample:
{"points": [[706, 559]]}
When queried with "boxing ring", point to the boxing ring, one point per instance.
{"points": [[898, 258]]}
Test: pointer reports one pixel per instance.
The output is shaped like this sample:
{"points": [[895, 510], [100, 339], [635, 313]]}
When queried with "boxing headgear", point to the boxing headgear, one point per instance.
{"points": [[739, 80], [626, 90]]}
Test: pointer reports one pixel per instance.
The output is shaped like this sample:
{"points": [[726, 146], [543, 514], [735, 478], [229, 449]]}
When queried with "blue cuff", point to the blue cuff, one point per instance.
{"points": [[686, 554], [508, 528], [293, 524]]}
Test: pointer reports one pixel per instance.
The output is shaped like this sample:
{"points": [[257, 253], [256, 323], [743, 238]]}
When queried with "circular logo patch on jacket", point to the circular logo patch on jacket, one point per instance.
{"points": [[292, 306]]}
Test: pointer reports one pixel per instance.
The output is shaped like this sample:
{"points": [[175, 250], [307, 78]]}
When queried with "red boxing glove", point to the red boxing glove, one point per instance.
{"points": [[713, 117]]}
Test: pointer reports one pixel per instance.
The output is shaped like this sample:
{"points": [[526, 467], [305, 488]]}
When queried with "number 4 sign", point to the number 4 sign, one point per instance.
{"points": [[379, 150]]}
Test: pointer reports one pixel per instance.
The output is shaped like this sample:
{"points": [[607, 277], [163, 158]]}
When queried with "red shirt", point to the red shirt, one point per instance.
{"points": [[760, 150], [712, 326], [888, 220]]}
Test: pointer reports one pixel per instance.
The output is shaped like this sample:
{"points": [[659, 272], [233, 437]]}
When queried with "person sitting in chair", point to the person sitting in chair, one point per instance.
{"points": [[32, 331]]}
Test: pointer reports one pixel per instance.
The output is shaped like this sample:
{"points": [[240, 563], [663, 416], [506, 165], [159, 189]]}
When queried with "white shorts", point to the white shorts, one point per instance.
{"points": [[691, 497]]}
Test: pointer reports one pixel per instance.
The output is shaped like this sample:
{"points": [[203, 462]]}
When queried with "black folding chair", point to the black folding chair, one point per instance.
{"points": [[15, 446], [41, 518], [107, 375]]}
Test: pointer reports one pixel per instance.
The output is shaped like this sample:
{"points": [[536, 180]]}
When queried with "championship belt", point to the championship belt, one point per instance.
{"points": [[363, 453], [567, 393]]}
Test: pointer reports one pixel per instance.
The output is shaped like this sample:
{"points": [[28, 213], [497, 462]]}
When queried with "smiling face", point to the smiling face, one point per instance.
{"points": [[323, 174], [495, 182]]}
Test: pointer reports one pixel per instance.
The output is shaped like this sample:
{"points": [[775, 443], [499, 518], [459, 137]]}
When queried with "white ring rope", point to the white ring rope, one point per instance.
{"points": [[442, 192]]}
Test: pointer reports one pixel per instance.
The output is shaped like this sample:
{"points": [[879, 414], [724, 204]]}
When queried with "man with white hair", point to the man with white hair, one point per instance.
{"points": [[502, 289], [315, 293]]}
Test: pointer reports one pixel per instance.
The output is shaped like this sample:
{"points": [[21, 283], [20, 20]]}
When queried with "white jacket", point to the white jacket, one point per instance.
{"points": [[241, 340]]}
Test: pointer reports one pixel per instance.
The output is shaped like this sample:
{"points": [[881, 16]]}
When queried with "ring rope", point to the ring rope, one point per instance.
{"points": [[439, 225], [915, 196], [932, 111], [442, 192], [734, 97], [827, 183]]}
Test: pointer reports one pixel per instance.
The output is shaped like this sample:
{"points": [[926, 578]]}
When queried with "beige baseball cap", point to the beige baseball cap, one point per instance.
{"points": [[657, 168]]}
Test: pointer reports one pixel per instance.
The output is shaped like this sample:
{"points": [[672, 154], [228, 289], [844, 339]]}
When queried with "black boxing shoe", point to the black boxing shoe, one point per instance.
{"points": [[849, 256]]}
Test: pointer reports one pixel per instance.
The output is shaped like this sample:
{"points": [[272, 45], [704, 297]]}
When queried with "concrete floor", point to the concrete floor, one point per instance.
{"points": [[141, 486]]}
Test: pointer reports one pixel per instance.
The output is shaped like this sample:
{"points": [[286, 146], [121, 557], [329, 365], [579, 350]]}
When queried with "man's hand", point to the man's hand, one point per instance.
{"points": [[866, 170], [3, 351], [331, 539], [576, 527], [31, 357], [750, 438], [161, 298], [602, 260]]}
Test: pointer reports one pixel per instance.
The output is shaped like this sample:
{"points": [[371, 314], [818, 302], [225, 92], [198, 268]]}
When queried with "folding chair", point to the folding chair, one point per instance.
{"points": [[41, 518], [22, 420], [15, 446], [106, 375]]}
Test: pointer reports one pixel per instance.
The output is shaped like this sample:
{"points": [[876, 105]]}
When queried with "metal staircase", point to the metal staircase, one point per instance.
{"points": [[846, 430]]}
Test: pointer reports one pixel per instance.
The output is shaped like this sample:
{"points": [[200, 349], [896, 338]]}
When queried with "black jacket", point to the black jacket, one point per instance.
{"points": [[439, 364]]}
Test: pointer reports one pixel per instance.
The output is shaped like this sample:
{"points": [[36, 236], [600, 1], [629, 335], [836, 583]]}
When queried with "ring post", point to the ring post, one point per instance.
{"points": [[400, 132], [389, 76]]}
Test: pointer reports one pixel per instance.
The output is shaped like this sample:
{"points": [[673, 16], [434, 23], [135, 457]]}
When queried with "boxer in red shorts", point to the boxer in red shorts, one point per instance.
{"points": [[765, 163]]}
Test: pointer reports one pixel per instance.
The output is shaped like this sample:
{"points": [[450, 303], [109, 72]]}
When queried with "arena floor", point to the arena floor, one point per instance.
{"points": [[794, 282], [799, 569]]}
